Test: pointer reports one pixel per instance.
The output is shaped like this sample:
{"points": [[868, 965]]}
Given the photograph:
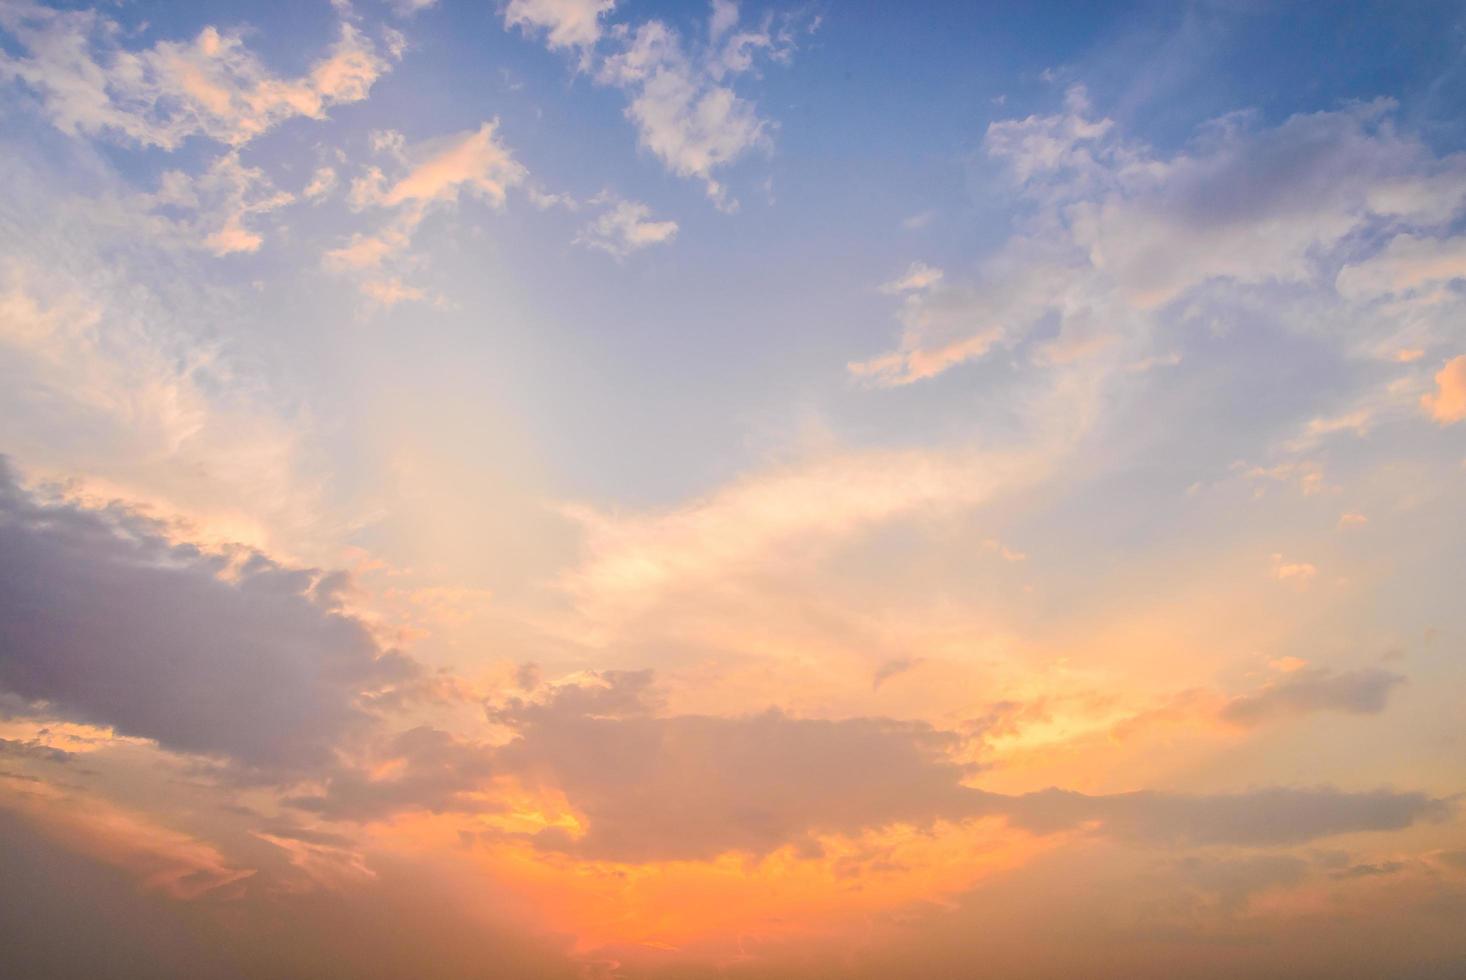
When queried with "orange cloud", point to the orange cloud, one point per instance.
{"points": [[1448, 403]]}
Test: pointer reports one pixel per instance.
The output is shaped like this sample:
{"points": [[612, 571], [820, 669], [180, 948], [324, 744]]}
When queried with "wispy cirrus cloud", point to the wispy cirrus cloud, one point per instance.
{"points": [[435, 174]]}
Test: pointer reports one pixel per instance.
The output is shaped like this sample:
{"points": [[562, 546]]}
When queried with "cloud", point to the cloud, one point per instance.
{"points": [[893, 668], [630, 560], [223, 200], [407, 8], [390, 292], [212, 86], [108, 387], [1409, 262], [918, 277], [1111, 233], [1448, 403], [424, 769], [692, 787], [651, 787], [474, 161], [433, 174], [322, 182], [1277, 816], [109, 622], [1297, 572], [1311, 689], [34, 749], [690, 122], [163, 860], [566, 23], [624, 228], [684, 111]]}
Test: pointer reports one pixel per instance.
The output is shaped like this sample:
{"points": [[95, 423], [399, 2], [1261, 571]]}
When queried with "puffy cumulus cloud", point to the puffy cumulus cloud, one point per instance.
{"points": [[624, 227], [1447, 403], [107, 621], [1338, 205], [212, 86], [565, 23], [1310, 689], [685, 110], [684, 116]]}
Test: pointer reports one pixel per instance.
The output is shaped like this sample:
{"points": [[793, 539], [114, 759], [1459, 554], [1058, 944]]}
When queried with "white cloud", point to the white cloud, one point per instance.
{"points": [[685, 113], [690, 122], [566, 23], [624, 227], [212, 86], [1114, 233], [1407, 263]]}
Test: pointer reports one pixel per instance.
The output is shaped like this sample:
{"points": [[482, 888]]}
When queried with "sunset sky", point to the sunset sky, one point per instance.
{"points": [[632, 489]]}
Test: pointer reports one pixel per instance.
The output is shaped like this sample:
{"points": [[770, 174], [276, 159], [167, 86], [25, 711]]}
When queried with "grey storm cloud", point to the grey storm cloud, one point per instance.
{"points": [[108, 622], [1360, 692]]}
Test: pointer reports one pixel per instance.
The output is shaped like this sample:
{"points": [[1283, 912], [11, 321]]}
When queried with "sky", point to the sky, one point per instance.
{"points": [[622, 489]]}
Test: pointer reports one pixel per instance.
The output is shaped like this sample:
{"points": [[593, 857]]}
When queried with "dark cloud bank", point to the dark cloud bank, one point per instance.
{"points": [[108, 622]]}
